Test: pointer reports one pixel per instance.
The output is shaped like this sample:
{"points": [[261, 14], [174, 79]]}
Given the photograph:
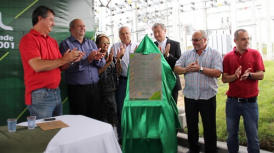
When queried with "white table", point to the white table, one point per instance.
{"points": [[84, 135]]}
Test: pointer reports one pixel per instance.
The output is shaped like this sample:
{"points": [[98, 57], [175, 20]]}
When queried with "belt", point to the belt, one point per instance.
{"points": [[88, 85], [91, 85], [52, 89], [245, 100], [122, 77]]}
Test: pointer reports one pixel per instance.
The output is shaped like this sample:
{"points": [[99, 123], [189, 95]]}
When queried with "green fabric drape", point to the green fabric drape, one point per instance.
{"points": [[25, 140], [150, 126]]}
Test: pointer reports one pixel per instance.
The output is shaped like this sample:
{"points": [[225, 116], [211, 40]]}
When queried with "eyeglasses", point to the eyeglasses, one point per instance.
{"points": [[196, 40], [106, 43]]}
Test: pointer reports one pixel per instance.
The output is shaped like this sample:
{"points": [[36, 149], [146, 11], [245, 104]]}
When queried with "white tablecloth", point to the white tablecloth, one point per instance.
{"points": [[84, 135]]}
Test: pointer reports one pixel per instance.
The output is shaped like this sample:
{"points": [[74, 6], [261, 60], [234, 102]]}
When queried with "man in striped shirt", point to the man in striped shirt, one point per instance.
{"points": [[201, 67]]}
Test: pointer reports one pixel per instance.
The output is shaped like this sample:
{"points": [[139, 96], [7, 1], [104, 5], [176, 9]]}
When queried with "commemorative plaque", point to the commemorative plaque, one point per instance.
{"points": [[145, 74]]}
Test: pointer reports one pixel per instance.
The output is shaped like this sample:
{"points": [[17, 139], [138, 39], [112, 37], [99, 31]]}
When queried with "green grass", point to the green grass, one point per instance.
{"points": [[266, 111]]}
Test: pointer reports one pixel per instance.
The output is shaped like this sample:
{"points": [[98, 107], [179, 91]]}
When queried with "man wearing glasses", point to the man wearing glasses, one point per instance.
{"points": [[82, 77], [201, 67], [171, 51]]}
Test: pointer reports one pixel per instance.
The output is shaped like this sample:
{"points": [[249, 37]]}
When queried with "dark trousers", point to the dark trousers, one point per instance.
{"points": [[175, 95], [84, 100], [207, 109], [120, 95]]}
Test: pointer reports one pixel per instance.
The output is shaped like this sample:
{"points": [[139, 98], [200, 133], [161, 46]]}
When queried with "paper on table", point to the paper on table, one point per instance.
{"points": [[52, 125], [26, 123]]}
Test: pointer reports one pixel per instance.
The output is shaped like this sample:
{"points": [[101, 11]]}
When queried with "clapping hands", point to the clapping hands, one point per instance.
{"points": [[95, 55], [120, 52], [193, 67], [245, 75], [73, 55]]}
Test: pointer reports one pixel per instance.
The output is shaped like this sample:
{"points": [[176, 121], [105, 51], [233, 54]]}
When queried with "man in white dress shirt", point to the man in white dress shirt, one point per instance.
{"points": [[171, 51], [126, 46]]}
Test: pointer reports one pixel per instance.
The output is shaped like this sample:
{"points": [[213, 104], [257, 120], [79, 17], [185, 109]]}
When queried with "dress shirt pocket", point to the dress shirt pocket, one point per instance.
{"points": [[207, 62]]}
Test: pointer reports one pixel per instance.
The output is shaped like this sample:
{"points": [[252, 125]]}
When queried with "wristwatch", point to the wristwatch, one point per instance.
{"points": [[249, 76], [201, 70]]}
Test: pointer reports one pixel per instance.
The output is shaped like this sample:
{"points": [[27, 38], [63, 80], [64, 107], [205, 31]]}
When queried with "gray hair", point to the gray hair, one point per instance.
{"points": [[203, 33], [159, 24], [237, 31], [122, 28]]}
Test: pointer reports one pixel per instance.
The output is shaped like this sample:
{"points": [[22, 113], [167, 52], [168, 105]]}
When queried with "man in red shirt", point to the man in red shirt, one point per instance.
{"points": [[242, 68], [41, 62]]}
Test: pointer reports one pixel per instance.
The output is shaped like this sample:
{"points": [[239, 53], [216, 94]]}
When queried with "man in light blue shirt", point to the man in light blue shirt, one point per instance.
{"points": [[82, 77], [201, 67]]}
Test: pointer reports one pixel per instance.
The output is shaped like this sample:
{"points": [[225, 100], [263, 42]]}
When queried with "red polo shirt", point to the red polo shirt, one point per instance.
{"points": [[249, 59], [32, 45]]}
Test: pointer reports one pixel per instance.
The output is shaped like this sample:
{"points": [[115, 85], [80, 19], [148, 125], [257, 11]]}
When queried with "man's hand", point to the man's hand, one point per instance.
{"points": [[188, 68], [95, 55], [80, 57], [195, 67], [98, 56], [238, 72], [122, 50], [245, 75], [167, 49], [118, 54], [72, 55]]}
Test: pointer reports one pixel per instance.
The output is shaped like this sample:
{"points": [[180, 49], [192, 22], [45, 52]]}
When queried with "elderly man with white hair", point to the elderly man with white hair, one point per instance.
{"points": [[125, 47]]}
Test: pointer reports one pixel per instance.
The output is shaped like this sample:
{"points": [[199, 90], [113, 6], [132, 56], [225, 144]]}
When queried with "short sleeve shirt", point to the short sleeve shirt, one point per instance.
{"points": [[33, 45], [249, 59], [197, 85]]}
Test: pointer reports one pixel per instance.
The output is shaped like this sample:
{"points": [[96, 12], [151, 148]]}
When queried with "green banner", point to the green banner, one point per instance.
{"points": [[15, 22]]}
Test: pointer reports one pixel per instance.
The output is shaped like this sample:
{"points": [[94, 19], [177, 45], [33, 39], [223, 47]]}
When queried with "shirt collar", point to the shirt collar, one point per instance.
{"points": [[206, 48], [128, 44], [163, 42], [71, 38], [36, 33], [237, 53]]}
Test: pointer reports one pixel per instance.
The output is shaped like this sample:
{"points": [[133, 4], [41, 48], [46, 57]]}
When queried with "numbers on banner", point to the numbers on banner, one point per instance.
{"points": [[6, 45]]}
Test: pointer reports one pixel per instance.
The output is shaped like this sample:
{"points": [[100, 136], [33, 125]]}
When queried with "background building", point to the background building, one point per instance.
{"points": [[220, 18]]}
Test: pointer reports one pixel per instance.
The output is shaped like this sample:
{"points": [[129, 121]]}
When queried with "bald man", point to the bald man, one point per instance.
{"points": [[201, 67], [82, 77]]}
